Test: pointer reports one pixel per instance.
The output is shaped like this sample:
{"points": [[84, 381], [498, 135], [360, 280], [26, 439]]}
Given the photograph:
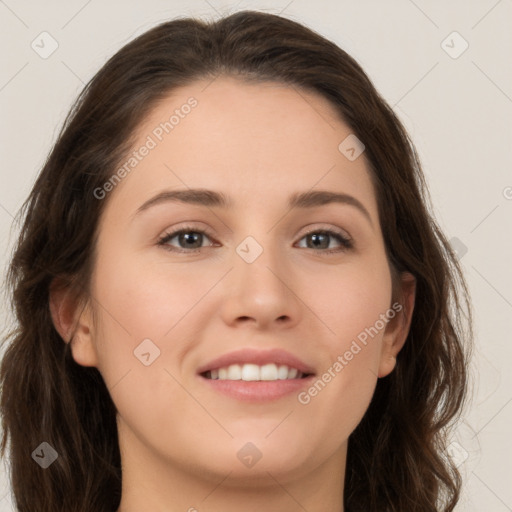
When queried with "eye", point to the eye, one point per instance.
{"points": [[190, 237], [320, 239]]}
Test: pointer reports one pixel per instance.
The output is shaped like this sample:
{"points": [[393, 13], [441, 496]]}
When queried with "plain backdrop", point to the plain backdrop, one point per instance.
{"points": [[444, 67]]}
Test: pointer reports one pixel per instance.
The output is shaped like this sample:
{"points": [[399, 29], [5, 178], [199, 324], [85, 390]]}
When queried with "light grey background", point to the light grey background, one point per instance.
{"points": [[458, 111]]}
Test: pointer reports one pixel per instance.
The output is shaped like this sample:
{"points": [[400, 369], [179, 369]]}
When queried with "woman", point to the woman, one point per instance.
{"points": [[230, 292]]}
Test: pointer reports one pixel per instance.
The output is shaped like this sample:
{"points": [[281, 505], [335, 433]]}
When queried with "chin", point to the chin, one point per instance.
{"points": [[249, 459]]}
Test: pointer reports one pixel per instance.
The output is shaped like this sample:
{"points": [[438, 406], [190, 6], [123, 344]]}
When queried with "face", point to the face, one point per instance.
{"points": [[294, 297]]}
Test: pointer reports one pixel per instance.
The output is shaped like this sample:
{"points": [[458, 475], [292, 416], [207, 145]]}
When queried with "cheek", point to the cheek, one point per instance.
{"points": [[149, 299], [139, 313], [351, 303], [348, 299], [139, 301]]}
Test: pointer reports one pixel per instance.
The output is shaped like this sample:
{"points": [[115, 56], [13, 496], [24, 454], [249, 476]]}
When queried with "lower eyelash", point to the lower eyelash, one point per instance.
{"points": [[346, 243]]}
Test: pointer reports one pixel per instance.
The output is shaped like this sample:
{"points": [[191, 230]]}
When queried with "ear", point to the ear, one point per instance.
{"points": [[398, 327], [73, 321]]}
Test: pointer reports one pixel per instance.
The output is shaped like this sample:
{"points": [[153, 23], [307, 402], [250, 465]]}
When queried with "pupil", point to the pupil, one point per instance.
{"points": [[316, 239], [187, 236]]}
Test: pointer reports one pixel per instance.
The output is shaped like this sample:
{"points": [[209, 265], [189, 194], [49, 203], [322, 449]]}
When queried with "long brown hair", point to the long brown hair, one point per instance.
{"points": [[397, 457]]}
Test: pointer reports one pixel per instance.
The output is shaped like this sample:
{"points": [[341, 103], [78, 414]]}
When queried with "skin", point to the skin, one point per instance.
{"points": [[256, 143]]}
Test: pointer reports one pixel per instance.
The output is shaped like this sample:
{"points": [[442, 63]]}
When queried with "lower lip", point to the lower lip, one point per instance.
{"points": [[258, 391]]}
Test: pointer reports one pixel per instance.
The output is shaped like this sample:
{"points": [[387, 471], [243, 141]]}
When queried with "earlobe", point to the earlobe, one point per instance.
{"points": [[386, 366], [73, 322], [397, 329]]}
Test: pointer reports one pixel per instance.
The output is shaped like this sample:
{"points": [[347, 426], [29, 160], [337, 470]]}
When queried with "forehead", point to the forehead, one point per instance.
{"points": [[253, 141]]}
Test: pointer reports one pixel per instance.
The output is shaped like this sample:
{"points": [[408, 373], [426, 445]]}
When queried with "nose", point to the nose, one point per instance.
{"points": [[259, 289]]}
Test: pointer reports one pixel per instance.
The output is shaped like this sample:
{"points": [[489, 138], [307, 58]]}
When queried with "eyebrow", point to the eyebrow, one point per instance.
{"points": [[211, 198]]}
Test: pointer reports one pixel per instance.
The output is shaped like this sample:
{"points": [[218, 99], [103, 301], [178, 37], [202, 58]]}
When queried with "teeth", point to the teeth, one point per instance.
{"points": [[292, 373], [250, 372], [269, 372], [282, 372], [234, 372], [253, 372]]}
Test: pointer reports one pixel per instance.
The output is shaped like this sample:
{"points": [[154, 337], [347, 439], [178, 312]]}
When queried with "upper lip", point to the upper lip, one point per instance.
{"points": [[259, 357]]}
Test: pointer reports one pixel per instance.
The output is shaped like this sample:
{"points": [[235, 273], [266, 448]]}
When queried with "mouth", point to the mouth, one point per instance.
{"points": [[252, 375], [254, 372]]}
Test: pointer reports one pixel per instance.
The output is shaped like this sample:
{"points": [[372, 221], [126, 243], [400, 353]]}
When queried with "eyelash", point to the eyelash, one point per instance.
{"points": [[346, 243]]}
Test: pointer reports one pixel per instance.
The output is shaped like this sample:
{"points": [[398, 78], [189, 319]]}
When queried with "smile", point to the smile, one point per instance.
{"points": [[254, 372]]}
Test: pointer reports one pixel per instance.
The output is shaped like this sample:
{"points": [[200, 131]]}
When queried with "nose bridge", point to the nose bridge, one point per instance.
{"points": [[258, 261], [258, 284]]}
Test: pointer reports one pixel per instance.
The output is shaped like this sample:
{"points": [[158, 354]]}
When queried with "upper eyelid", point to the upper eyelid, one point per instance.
{"points": [[321, 227]]}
